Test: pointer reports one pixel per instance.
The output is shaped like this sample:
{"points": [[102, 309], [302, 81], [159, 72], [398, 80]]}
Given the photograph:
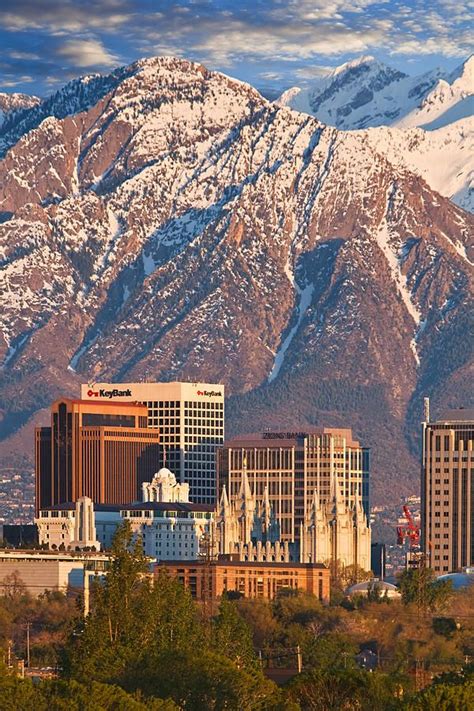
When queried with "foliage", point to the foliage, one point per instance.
{"points": [[202, 679], [232, 636], [57, 695], [421, 587], [348, 690]]}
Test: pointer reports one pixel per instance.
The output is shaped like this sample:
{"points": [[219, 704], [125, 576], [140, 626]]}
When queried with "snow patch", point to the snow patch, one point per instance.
{"points": [[305, 297]]}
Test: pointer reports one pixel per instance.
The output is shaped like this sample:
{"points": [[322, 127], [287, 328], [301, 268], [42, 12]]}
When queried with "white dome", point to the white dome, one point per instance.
{"points": [[366, 585]]}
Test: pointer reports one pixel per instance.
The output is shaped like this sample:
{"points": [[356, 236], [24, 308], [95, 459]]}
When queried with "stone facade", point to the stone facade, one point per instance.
{"points": [[164, 487], [247, 529], [334, 532]]}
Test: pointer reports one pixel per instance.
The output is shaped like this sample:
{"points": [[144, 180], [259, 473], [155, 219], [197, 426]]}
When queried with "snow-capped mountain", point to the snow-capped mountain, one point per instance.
{"points": [[168, 222], [10, 103], [365, 93]]}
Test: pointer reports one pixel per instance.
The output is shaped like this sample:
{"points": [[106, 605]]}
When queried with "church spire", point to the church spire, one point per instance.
{"points": [[245, 491], [224, 500]]}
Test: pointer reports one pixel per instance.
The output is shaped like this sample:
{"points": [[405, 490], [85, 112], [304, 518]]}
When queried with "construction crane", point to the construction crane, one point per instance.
{"points": [[410, 531]]}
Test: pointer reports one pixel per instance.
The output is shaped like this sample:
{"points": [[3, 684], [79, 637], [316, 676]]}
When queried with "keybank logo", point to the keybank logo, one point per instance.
{"points": [[209, 393], [109, 393]]}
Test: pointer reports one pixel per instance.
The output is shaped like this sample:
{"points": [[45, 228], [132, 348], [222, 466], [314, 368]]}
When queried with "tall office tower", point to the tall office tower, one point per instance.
{"points": [[190, 417], [97, 449], [447, 489], [292, 465]]}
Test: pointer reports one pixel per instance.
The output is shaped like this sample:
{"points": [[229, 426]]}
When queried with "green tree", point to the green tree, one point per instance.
{"points": [[232, 637], [199, 679], [101, 646]]}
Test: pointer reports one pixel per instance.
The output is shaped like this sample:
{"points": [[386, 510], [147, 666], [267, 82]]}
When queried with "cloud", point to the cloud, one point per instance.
{"points": [[293, 39], [85, 53], [64, 15], [9, 82]]}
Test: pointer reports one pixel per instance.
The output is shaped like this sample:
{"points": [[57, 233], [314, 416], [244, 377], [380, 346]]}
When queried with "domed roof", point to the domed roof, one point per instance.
{"points": [[366, 585], [458, 580], [164, 472]]}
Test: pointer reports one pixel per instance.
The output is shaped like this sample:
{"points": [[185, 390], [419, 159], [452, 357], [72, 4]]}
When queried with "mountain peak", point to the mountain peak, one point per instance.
{"points": [[366, 59]]}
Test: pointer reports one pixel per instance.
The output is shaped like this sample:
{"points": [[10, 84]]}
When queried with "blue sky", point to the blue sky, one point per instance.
{"points": [[270, 43]]}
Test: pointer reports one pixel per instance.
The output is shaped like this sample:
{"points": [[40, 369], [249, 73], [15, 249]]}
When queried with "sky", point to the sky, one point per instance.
{"points": [[273, 44]]}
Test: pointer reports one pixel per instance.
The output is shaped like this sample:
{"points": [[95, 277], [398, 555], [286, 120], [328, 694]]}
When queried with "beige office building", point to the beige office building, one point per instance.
{"points": [[448, 490], [190, 417], [293, 465]]}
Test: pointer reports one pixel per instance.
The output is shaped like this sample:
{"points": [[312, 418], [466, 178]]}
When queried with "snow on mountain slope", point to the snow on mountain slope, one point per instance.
{"points": [[172, 223], [450, 100], [10, 103], [444, 158], [365, 93], [361, 93]]}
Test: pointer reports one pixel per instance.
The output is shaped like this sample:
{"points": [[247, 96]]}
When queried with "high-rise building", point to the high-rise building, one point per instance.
{"points": [[97, 449], [190, 417], [292, 465], [447, 484]]}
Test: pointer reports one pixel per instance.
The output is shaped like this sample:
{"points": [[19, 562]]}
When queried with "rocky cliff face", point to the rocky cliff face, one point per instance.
{"points": [[167, 222]]}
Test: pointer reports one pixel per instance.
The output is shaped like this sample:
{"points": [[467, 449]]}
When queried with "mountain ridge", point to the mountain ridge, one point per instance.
{"points": [[185, 227]]}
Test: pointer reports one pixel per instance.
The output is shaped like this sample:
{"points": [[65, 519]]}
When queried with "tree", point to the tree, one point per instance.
{"points": [[420, 586], [101, 646], [232, 637], [199, 679], [343, 690]]}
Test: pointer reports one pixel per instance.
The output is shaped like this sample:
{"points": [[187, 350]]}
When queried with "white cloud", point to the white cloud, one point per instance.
{"points": [[84, 53]]}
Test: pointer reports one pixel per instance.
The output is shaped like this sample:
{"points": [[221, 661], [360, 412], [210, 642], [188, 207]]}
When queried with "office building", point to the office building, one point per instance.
{"points": [[97, 449], [447, 481], [190, 417], [210, 580], [292, 465]]}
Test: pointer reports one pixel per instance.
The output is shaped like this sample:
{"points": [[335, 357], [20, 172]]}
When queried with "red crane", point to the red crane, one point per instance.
{"points": [[410, 531]]}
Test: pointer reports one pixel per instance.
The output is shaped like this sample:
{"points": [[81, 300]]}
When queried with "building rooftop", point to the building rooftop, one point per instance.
{"points": [[461, 415], [230, 563], [290, 436], [138, 506]]}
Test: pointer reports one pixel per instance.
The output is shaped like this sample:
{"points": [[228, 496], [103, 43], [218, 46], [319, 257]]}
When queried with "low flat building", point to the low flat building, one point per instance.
{"points": [[39, 571], [211, 579]]}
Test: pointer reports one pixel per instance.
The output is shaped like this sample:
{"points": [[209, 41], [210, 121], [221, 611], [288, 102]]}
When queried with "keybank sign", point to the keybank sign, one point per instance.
{"points": [[109, 394]]}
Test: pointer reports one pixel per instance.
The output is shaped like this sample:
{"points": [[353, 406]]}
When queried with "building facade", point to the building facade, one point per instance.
{"points": [[169, 530], [190, 417], [335, 532], [447, 482], [39, 571], [210, 580], [97, 449], [292, 465]]}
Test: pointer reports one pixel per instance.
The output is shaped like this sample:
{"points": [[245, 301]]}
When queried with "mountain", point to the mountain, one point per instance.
{"points": [[168, 222], [431, 117], [364, 93], [10, 103]]}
